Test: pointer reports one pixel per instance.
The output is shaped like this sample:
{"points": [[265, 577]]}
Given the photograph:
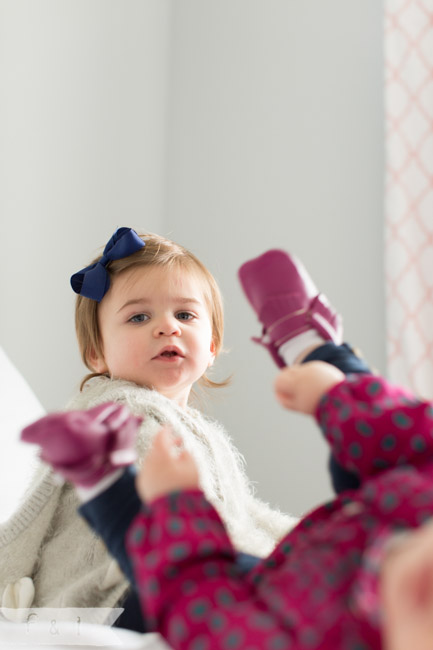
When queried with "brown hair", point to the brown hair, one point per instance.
{"points": [[157, 251]]}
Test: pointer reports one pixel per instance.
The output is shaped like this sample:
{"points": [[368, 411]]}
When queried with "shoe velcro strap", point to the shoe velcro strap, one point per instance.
{"points": [[317, 315]]}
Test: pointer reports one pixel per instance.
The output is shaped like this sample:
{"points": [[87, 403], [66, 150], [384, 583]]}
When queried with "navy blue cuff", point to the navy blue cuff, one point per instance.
{"points": [[110, 515]]}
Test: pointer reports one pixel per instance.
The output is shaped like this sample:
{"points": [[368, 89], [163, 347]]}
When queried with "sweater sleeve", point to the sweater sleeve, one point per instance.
{"points": [[188, 581], [372, 425]]}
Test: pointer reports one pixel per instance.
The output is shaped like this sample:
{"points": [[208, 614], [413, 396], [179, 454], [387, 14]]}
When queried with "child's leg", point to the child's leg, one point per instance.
{"points": [[110, 514], [299, 324], [88, 448], [100, 440], [342, 357]]}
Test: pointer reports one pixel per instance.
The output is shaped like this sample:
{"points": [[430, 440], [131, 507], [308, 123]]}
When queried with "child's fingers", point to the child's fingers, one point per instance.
{"points": [[163, 456], [166, 468], [165, 443], [188, 464]]}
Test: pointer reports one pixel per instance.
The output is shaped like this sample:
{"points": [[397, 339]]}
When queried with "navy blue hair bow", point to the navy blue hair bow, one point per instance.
{"points": [[94, 281]]}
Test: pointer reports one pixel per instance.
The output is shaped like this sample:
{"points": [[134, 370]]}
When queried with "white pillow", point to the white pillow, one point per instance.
{"points": [[18, 407]]}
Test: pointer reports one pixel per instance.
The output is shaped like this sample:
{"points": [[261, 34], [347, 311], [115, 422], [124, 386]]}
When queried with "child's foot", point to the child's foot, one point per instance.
{"points": [[294, 315], [86, 446]]}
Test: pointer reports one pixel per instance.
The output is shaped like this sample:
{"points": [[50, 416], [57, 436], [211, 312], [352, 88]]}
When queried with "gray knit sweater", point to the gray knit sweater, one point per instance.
{"points": [[65, 565]]}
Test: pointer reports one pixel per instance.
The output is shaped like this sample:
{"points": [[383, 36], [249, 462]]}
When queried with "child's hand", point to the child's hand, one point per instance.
{"points": [[166, 468], [300, 388], [406, 592]]}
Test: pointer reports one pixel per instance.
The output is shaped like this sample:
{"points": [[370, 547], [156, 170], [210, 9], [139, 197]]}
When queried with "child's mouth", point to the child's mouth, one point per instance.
{"points": [[170, 353]]}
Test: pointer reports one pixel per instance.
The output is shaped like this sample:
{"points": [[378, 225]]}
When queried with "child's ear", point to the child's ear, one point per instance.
{"points": [[96, 360], [212, 352]]}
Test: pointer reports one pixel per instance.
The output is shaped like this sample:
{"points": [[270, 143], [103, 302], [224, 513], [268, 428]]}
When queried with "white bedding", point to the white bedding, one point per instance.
{"points": [[18, 407], [44, 636]]}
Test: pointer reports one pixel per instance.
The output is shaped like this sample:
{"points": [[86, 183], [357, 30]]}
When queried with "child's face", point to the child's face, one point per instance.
{"points": [[156, 331]]}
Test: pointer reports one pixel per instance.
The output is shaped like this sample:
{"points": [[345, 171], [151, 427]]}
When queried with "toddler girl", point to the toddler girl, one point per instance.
{"points": [[149, 322]]}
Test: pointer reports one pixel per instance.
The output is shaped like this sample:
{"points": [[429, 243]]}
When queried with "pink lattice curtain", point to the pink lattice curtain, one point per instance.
{"points": [[409, 192]]}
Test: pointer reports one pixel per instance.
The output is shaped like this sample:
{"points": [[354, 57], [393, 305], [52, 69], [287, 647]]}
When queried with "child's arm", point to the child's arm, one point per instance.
{"points": [[369, 424]]}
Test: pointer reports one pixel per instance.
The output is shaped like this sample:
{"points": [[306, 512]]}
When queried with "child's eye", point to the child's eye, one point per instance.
{"points": [[185, 315], [139, 318]]}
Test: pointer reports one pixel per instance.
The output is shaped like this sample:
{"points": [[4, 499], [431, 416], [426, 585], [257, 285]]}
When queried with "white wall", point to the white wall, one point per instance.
{"points": [[83, 88], [231, 126], [276, 140]]}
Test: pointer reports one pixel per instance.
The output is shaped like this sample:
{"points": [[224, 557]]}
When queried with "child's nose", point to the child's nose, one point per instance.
{"points": [[167, 326]]}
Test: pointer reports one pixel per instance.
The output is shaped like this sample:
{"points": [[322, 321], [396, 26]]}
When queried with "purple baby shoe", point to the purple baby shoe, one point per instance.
{"points": [[286, 301], [85, 446]]}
